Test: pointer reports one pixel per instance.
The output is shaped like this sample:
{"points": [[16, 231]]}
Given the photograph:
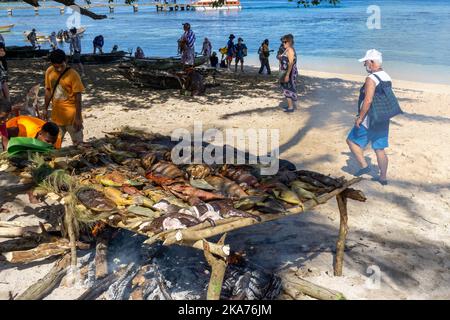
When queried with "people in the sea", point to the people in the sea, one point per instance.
{"points": [[52, 41], [4, 90], [289, 72], [98, 43], [139, 54], [214, 60], [230, 50], [75, 49], [264, 53], [207, 48], [31, 127], [32, 38], [241, 52], [363, 131], [115, 48], [186, 45], [2, 40], [63, 89]]}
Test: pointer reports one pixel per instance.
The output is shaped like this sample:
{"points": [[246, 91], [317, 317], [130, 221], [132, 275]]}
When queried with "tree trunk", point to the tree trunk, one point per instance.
{"points": [[47, 284]]}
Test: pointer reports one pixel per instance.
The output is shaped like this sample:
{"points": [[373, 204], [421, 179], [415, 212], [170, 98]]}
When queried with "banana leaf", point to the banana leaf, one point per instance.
{"points": [[18, 145]]}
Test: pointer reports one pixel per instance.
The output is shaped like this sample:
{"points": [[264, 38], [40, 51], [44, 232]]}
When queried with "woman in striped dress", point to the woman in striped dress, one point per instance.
{"points": [[187, 45]]}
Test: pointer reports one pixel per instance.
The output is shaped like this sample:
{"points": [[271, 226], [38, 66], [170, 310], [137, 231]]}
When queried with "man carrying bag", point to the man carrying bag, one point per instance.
{"points": [[376, 106]]}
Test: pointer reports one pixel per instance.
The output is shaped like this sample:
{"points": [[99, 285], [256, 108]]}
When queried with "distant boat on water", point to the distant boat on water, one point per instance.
{"points": [[206, 5], [6, 28]]}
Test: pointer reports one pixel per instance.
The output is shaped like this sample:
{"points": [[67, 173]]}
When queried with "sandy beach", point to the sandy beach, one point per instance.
{"points": [[402, 230]]}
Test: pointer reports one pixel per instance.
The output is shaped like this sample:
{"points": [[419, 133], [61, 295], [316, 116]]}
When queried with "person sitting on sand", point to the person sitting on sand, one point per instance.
{"points": [[98, 44], [241, 52], [214, 60], [115, 48], [63, 88], [362, 133], [139, 54], [31, 127]]}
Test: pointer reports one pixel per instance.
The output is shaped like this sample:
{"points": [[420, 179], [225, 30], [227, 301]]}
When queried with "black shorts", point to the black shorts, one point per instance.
{"points": [[239, 59]]}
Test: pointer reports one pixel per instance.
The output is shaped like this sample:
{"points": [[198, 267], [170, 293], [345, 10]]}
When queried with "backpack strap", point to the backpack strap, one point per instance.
{"points": [[56, 85], [376, 76]]}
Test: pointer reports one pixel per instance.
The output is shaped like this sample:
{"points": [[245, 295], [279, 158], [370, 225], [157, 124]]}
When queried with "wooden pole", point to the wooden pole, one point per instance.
{"points": [[69, 223], [101, 252], [293, 283], [218, 267], [47, 284], [188, 235], [42, 251], [343, 230]]}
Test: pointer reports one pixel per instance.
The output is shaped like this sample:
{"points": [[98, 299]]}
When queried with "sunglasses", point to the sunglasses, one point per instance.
{"points": [[284, 42]]}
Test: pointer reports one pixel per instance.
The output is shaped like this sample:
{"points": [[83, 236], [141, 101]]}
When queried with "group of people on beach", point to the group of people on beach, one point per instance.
{"points": [[64, 88]]}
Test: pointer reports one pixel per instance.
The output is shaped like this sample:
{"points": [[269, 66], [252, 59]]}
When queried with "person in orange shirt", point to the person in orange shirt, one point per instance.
{"points": [[31, 127], [63, 88]]}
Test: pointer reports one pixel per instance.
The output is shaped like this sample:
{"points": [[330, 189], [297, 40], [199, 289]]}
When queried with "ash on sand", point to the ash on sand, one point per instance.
{"points": [[179, 273]]}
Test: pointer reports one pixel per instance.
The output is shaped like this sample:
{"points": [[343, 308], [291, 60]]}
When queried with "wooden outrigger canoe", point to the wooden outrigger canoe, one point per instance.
{"points": [[102, 58], [171, 63], [25, 52]]}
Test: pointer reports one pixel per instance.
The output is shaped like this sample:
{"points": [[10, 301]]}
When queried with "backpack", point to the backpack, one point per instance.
{"points": [[384, 104]]}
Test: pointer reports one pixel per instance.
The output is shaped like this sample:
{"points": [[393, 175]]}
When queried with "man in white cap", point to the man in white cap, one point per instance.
{"points": [[361, 134]]}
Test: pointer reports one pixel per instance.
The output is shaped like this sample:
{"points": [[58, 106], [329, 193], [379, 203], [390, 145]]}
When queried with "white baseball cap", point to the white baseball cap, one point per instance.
{"points": [[372, 54]]}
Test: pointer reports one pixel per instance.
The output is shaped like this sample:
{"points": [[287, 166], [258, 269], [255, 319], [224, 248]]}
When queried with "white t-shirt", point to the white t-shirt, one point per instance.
{"points": [[384, 77]]}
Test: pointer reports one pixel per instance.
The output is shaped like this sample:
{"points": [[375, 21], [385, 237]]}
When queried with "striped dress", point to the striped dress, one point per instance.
{"points": [[188, 54]]}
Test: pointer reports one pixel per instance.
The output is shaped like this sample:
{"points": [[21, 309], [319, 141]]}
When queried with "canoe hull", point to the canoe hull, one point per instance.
{"points": [[101, 58], [25, 52], [7, 28], [165, 63]]}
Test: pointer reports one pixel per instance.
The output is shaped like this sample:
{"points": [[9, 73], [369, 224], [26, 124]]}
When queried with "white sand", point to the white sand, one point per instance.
{"points": [[403, 228]]}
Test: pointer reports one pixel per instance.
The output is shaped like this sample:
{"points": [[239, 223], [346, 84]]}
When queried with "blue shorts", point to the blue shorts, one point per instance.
{"points": [[377, 136]]}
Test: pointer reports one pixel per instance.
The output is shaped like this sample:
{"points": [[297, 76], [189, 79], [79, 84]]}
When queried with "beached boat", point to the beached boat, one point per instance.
{"points": [[151, 78], [102, 58], [171, 63], [6, 28], [206, 5], [25, 52]]}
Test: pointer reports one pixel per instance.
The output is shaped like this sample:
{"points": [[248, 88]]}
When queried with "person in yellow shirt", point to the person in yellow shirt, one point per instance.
{"points": [[63, 88], [31, 127]]}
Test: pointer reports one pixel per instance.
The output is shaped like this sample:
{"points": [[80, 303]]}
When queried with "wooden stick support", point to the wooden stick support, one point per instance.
{"points": [[218, 267], [343, 230]]}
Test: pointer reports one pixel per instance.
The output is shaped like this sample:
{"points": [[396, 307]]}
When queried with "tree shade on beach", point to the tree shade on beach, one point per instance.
{"points": [[217, 3]]}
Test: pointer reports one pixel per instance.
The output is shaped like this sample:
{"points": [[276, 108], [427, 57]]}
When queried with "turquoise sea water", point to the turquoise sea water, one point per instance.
{"points": [[413, 32]]}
